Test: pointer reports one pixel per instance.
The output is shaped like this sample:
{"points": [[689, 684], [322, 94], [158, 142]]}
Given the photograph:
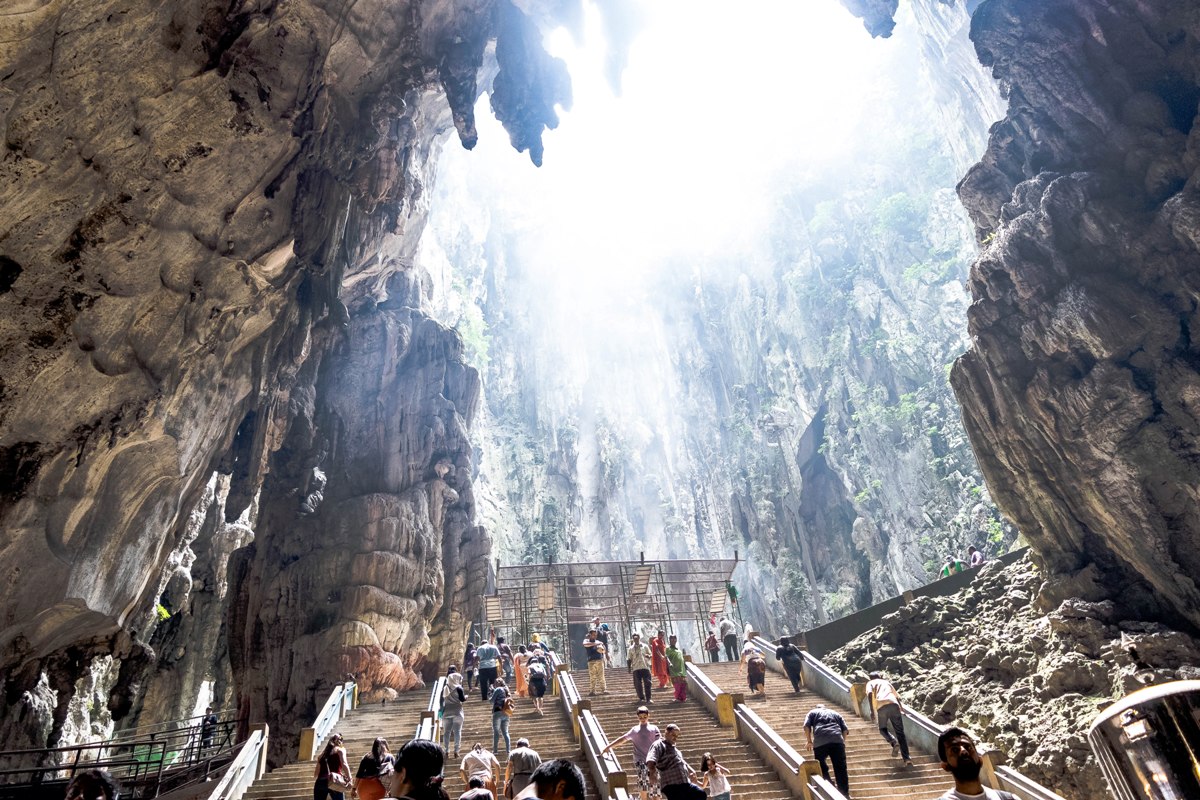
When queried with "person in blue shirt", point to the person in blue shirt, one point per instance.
{"points": [[489, 668]]}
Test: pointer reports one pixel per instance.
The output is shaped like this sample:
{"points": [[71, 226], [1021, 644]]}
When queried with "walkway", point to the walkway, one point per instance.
{"points": [[395, 721], [874, 773], [699, 733]]}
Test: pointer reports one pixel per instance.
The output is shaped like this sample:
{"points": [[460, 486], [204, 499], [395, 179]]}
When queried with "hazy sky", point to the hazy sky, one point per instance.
{"points": [[716, 99]]}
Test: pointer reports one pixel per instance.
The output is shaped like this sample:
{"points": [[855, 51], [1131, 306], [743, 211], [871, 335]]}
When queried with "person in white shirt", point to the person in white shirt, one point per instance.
{"points": [[716, 778], [638, 663], [479, 762], [885, 704], [959, 757], [728, 631]]}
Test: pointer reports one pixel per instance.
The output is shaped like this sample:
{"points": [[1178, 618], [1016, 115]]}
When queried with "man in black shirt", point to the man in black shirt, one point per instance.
{"points": [[827, 732]]}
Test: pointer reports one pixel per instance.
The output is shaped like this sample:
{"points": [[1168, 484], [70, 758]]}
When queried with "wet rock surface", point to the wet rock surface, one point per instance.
{"points": [[1027, 681]]}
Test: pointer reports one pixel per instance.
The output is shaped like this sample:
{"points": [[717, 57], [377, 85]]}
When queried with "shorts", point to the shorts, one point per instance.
{"points": [[643, 781], [537, 688]]}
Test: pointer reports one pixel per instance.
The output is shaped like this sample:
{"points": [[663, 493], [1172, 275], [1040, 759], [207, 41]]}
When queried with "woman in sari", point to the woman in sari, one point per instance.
{"points": [[658, 659], [521, 672]]}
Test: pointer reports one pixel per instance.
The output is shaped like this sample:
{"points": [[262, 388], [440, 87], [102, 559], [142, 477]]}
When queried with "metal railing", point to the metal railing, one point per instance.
{"points": [[170, 754], [430, 726], [341, 702], [249, 766]]}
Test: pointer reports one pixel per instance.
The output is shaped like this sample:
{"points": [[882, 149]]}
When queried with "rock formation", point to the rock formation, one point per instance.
{"points": [[1080, 392], [1025, 681], [199, 199]]}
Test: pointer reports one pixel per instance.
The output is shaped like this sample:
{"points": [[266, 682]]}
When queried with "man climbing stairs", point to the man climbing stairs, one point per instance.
{"points": [[550, 735], [751, 777], [874, 773]]}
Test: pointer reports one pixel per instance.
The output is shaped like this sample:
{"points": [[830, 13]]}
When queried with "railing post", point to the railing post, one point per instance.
{"points": [[858, 696], [261, 767], [308, 744], [727, 703], [554, 690], [991, 760]]}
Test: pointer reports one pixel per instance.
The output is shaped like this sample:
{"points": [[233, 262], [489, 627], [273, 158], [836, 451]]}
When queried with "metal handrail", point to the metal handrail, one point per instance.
{"points": [[341, 700], [246, 768], [1020, 785]]}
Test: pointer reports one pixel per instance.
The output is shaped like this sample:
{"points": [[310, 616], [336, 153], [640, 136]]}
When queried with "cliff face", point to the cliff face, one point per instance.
{"points": [[787, 400], [1079, 392], [200, 201]]}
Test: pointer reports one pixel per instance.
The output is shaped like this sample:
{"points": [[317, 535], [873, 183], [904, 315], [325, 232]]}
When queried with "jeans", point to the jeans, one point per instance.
{"points": [[452, 729], [835, 752], [486, 676], [731, 646], [890, 713], [714, 656], [500, 728], [641, 684]]}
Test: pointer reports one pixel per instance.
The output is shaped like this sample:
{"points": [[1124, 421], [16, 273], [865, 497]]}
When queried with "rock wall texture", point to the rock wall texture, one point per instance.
{"points": [[1028, 682], [1081, 390], [199, 200]]}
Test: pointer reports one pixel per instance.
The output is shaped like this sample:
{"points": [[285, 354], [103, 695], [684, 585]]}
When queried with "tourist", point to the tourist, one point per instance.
{"points": [[520, 671], [453, 711], [539, 677], [956, 750], [658, 659], [518, 772], [489, 667], [470, 664], [643, 735], [792, 658], [668, 768], [713, 647], [638, 662], [826, 732], [728, 631], [480, 763], [538, 644], [92, 784], [952, 566], [501, 711], [716, 778], [558, 779], [419, 771], [603, 634], [208, 729], [376, 768], [885, 704], [333, 771], [506, 658], [755, 667], [596, 653], [476, 790], [677, 668], [749, 633], [974, 557]]}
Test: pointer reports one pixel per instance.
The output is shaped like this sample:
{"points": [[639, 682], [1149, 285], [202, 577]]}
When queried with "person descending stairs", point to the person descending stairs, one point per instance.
{"points": [[395, 721], [751, 777], [875, 774]]}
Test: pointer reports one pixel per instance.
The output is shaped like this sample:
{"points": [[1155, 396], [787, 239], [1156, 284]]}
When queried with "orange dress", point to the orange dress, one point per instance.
{"points": [[522, 674], [658, 661]]}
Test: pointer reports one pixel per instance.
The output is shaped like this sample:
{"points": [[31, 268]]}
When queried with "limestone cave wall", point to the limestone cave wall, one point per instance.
{"points": [[202, 204]]}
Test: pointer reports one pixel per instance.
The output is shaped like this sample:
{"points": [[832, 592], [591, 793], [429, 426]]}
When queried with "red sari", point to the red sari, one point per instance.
{"points": [[658, 661]]}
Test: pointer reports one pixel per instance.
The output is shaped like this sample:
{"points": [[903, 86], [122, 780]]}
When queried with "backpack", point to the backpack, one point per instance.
{"points": [[500, 703], [792, 655], [537, 670]]}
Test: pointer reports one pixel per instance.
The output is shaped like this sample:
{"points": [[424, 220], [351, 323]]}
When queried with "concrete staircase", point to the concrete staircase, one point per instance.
{"points": [[396, 721], [874, 773], [550, 735], [751, 778]]}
